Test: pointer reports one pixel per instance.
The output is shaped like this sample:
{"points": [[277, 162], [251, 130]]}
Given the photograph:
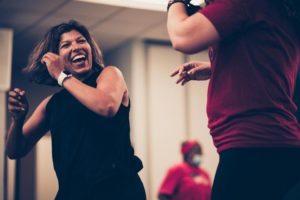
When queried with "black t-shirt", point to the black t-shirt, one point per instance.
{"points": [[88, 148]]}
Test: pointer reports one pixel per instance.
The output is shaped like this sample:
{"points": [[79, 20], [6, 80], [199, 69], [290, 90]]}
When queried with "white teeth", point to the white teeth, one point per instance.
{"points": [[78, 57]]}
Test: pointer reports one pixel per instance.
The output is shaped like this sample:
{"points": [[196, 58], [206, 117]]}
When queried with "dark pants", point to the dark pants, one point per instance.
{"points": [[117, 187], [257, 174]]}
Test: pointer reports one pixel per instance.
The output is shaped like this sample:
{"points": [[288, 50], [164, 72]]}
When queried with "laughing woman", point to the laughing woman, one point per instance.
{"points": [[88, 119]]}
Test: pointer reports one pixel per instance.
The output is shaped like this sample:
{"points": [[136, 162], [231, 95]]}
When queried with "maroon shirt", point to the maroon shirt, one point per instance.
{"points": [[184, 182], [254, 69]]}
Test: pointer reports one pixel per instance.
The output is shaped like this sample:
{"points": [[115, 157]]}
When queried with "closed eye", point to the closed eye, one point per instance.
{"points": [[64, 45], [81, 41]]}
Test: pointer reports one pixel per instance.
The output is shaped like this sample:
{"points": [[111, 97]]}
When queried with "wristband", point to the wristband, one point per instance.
{"points": [[190, 8], [171, 2], [62, 76]]}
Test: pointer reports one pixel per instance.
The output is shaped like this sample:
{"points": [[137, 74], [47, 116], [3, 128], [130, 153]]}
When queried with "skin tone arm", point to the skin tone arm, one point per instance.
{"points": [[22, 137], [190, 34], [106, 98]]}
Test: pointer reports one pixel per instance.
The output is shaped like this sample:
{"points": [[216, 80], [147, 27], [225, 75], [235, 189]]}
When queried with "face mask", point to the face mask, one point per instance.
{"points": [[197, 160]]}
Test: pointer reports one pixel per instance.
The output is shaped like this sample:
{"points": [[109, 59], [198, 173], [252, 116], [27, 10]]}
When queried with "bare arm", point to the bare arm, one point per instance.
{"points": [[190, 34], [106, 98], [22, 137]]}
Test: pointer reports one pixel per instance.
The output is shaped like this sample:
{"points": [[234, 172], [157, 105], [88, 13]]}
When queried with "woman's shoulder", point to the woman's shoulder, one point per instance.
{"points": [[111, 73], [111, 70]]}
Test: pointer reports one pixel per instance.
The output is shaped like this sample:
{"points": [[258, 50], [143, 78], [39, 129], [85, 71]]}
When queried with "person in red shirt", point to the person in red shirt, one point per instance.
{"points": [[187, 180], [254, 56]]}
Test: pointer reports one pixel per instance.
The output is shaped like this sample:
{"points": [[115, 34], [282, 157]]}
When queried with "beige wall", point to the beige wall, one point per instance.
{"points": [[166, 113], [197, 118], [46, 182]]}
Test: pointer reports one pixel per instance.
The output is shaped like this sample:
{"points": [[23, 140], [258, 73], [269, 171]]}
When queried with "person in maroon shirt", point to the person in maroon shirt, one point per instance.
{"points": [[254, 57], [187, 180]]}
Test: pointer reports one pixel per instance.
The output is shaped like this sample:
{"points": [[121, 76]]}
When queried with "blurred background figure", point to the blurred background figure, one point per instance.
{"points": [[187, 180]]}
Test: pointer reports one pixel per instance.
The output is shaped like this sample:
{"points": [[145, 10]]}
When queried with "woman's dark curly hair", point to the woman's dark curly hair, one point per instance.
{"points": [[38, 72], [292, 8]]}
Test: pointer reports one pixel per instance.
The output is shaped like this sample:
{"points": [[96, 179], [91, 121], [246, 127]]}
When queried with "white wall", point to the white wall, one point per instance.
{"points": [[46, 181], [197, 118], [166, 111]]}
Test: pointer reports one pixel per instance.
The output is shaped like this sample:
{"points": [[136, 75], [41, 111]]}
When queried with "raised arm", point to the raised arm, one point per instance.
{"points": [[22, 137], [190, 34], [106, 98]]}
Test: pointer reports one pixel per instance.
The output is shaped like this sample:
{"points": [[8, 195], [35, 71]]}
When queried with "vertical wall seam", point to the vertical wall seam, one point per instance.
{"points": [[148, 121], [186, 104]]}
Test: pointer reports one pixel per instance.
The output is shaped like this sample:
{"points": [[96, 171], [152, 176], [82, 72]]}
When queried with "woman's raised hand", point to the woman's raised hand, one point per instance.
{"points": [[194, 70], [54, 64], [17, 103]]}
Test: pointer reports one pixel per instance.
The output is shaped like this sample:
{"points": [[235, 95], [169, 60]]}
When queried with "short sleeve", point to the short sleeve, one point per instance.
{"points": [[228, 16], [170, 182]]}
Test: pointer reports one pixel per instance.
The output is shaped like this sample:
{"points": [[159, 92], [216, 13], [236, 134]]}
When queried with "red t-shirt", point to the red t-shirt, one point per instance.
{"points": [[184, 182], [254, 69]]}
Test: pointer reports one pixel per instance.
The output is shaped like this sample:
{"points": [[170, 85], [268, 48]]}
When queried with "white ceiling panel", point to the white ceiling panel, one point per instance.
{"points": [[32, 5], [88, 10], [117, 29], [25, 14], [40, 29], [13, 20], [110, 25], [138, 16], [158, 5], [107, 42]]}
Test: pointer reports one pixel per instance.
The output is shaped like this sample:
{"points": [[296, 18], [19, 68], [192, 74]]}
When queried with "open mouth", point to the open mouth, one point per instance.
{"points": [[79, 58]]}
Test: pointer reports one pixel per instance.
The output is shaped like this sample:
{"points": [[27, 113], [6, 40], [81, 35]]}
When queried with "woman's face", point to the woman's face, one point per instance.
{"points": [[76, 53], [195, 152]]}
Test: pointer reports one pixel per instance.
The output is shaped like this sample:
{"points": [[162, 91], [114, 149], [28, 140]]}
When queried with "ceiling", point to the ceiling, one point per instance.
{"points": [[110, 25]]}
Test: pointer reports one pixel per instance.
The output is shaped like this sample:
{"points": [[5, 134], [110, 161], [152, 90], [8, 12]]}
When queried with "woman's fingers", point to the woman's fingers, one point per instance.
{"points": [[18, 91], [200, 73], [16, 109], [180, 79], [17, 101], [45, 60], [18, 94], [183, 79], [192, 71], [14, 101], [48, 58], [182, 69], [174, 73]]}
